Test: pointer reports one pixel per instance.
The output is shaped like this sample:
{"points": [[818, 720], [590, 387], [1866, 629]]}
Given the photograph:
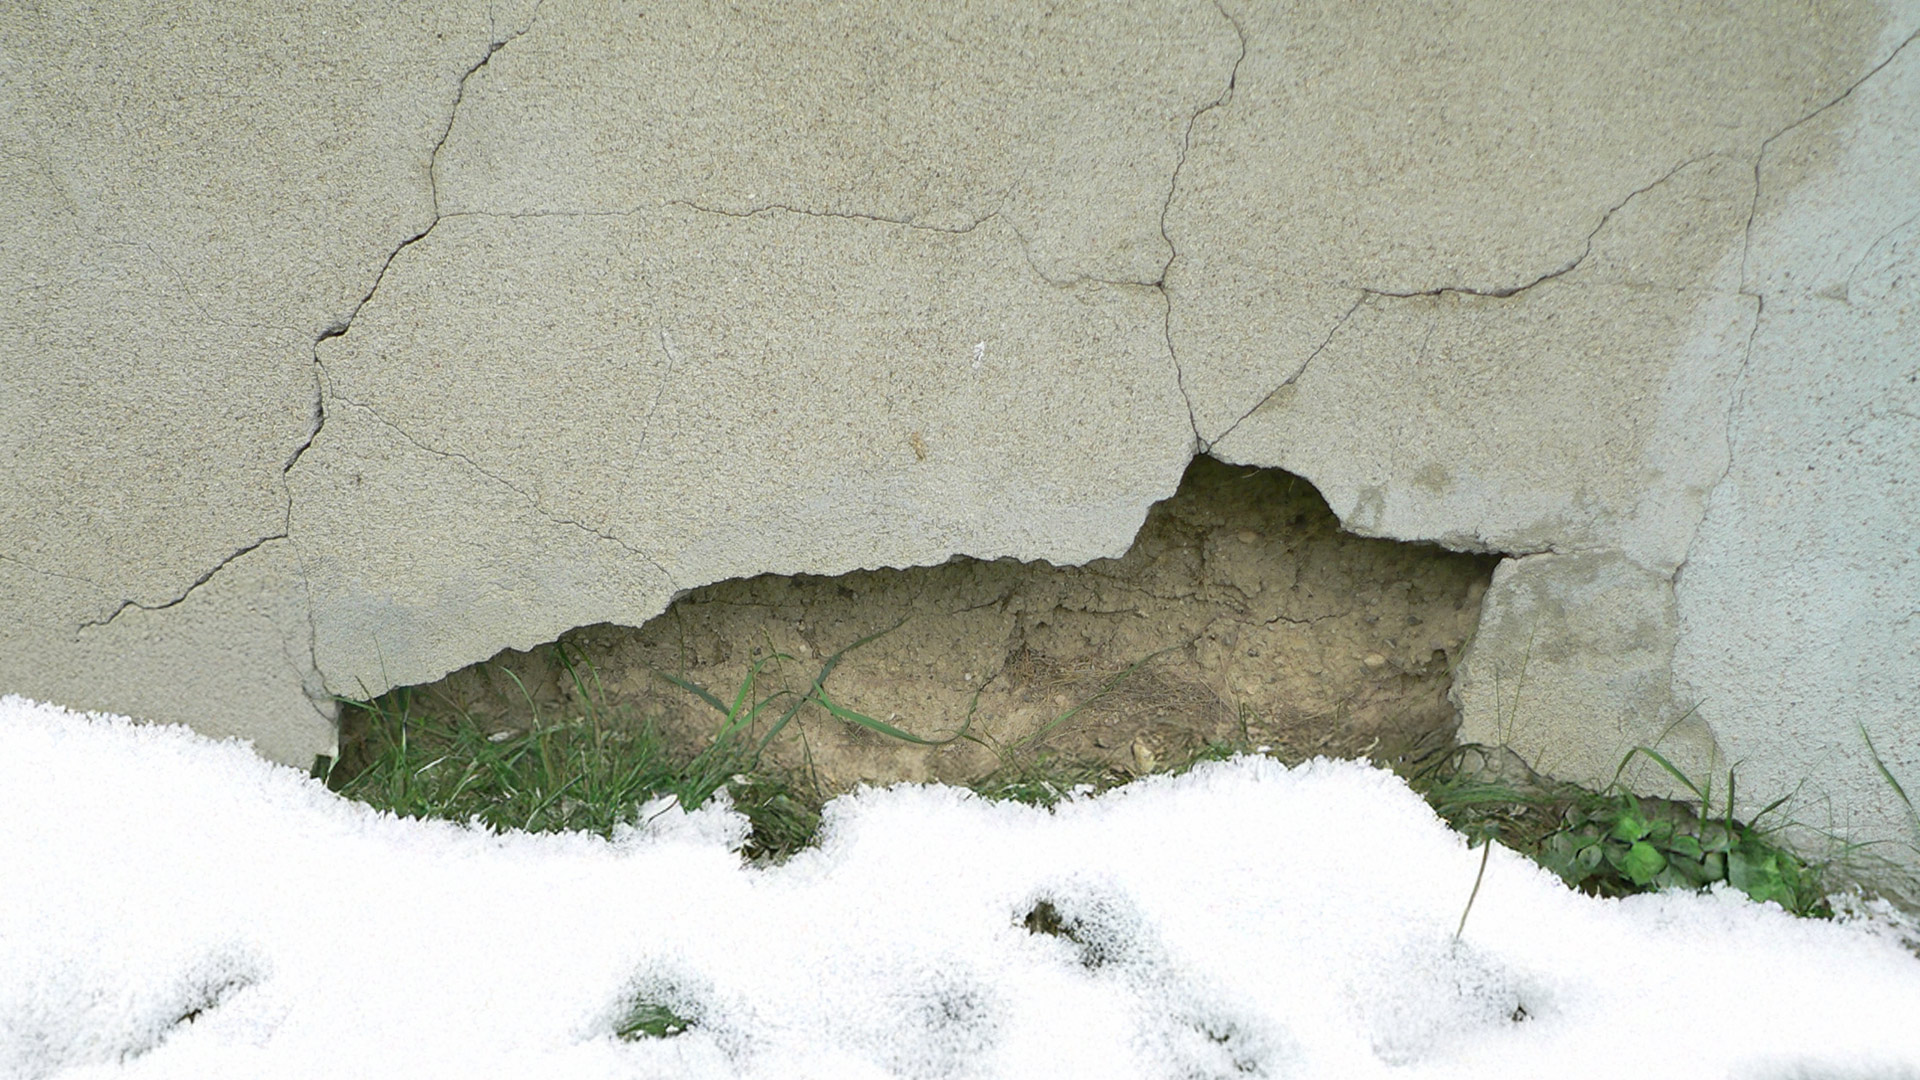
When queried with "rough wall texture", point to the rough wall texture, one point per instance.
{"points": [[341, 348]]}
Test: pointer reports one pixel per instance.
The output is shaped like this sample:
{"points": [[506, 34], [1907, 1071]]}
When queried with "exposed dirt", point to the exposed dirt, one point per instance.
{"points": [[1242, 614]]}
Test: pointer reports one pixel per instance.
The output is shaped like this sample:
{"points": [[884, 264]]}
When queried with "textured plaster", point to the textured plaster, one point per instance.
{"points": [[1581, 410], [1584, 413], [195, 196], [1410, 149], [1799, 603], [431, 332], [1572, 667], [1064, 122], [808, 393]]}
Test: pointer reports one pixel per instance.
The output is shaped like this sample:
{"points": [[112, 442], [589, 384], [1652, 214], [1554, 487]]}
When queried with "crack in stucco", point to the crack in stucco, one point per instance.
{"points": [[285, 533], [1738, 396], [1759, 159], [42, 571], [186, 289], [1297, 372], [1846, 287], [319, 420], [771, 208], [299, 560], [1565, 269], [1364, 293], [1878, 417], [531, 500], [659, 390], [340, 328], [180, 599], [1225, 97], [433, 180]]}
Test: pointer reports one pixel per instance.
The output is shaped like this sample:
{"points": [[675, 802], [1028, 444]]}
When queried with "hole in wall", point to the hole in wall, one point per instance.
{"points": [[1242, 616]]}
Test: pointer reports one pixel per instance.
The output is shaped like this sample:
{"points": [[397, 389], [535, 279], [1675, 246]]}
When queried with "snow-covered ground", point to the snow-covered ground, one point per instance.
{"points": [[1243, 920]]}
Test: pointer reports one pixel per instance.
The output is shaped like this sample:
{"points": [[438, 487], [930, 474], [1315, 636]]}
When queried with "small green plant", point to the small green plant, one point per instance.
{"points": [[1617, 844], [650, 1020], [1613, 842]]}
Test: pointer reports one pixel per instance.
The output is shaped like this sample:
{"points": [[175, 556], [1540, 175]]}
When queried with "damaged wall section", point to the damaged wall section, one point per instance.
{"points": [[1241, 614]]}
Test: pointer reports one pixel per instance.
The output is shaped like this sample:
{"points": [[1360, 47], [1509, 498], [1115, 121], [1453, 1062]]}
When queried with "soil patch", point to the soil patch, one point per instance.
{"points": [[1242, 616]]}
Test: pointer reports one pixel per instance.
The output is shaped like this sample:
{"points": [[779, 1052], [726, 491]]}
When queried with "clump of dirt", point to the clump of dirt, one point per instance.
{"points": [[1242, 615]]}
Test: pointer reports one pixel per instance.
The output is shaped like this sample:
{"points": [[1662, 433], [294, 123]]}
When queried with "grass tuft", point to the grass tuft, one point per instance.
{"points": [[593, 771], [590, 772]]}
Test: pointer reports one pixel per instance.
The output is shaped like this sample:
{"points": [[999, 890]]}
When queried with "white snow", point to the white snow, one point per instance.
{"points": [[1243, 920]]}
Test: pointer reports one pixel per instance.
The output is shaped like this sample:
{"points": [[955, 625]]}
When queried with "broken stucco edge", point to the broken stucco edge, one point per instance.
{"points": [[1505, 661]]}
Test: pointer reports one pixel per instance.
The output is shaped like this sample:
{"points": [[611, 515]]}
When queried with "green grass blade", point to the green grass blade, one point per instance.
{"points": [[820, 697], [532, 705], [695, 689], [1661, 760], [1887, 775], [826, 669]]}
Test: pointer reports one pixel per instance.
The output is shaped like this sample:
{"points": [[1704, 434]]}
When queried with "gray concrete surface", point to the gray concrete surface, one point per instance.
{"points": [[341, 348]]}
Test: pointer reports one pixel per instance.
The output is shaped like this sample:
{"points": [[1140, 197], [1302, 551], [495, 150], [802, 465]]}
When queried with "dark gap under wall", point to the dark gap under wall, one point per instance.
{"points": [[1242, 615]]}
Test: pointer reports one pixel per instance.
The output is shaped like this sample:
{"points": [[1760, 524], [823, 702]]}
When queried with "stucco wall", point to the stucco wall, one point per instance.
{"points": [[341, 348]]}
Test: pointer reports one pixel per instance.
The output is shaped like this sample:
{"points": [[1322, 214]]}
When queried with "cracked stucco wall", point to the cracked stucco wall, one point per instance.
{"points": [[342, 348]]}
